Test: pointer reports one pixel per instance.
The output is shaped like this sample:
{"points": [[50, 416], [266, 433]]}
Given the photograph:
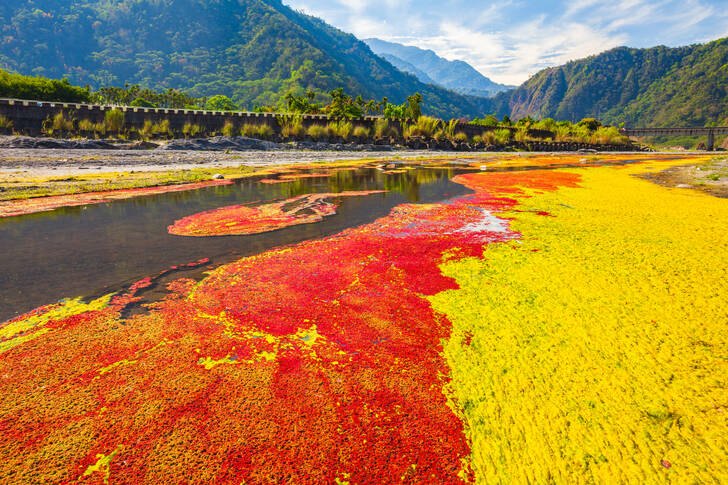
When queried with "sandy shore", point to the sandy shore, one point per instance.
{"points": [[55, 162]]}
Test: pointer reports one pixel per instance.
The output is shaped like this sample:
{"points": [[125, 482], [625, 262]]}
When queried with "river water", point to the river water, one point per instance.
{"points": [[94, 249]]}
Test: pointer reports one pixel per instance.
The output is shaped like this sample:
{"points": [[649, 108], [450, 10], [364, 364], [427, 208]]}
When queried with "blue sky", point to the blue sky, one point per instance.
{"points": [[510, 40]]}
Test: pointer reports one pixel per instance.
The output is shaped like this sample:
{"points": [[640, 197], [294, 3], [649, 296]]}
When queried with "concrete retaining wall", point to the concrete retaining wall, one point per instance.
{"points": [[28, 118]]}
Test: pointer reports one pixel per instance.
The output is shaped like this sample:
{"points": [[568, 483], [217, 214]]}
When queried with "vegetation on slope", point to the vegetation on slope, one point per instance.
{"points": [[40, 88], [660, 86], [253, 51]]}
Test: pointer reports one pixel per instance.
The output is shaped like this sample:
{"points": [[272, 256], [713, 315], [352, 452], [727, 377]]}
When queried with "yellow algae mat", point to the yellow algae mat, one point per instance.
{"points": [[595, 348], [556, 325]]}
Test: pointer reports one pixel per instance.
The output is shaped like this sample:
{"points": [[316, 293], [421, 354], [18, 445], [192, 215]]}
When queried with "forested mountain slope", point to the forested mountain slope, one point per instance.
{"points": [[659, 86], [251, 50]]}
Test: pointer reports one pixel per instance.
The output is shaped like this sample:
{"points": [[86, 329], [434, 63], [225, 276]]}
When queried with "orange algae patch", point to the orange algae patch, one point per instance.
{"points": [[9, 208], [241, 219], [504, 183], [316, 363]]}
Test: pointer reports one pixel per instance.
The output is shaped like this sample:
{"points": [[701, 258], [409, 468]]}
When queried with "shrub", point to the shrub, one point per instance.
{"points": [[581, 134], [5, 123], [147, 130], [115, 120], [342, 129], [477, 139], [591, 124], [489, 120], [291, 125], [562, 133], [609, 135], [266, 131], [425, 126], [85, 125], [257, 131], [449, 129], [162, 128], [489, 138], [462, 137], [382, 128], [59, 124], [191, 130], [228, 129], [318, 131], [361, 132], [522, 134], [547, 124], [100, 128], [502, 137]]}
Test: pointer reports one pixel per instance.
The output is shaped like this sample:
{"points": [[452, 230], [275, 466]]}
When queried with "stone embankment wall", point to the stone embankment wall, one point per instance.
{"points": [[527, 146], [28, 118]]}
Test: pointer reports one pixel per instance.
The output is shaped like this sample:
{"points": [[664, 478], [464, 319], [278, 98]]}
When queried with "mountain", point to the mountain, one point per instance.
{"points": [[660, 86], [405, 66], [254, 51], [458, 76]]}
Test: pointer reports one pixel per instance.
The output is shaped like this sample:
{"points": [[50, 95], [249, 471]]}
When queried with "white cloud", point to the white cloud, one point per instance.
{"points": [[510, 40]]}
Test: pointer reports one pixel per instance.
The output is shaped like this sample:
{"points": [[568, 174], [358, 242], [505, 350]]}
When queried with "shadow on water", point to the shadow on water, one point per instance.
{"points": [[99, 248]]}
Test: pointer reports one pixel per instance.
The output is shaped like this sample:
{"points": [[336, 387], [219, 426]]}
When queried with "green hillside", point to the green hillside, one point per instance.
{"points": [[254, 51], [660, 86]]}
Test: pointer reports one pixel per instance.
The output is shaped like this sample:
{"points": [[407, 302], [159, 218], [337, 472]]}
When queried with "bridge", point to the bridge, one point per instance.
{"points": [[709, 131]]}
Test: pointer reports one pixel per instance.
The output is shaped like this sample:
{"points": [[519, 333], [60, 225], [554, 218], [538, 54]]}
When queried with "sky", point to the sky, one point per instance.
{"points": [[510, 40]]}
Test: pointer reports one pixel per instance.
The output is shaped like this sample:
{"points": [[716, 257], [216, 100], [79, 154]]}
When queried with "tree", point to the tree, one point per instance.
{"points": [[396, 112], [591, 124], [415, 108], [343, 106], [142, 103], [302, 104], [220, 103]]}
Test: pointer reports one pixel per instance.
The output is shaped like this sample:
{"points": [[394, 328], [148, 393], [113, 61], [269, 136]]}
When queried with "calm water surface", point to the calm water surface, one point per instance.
{"points": [[89, 250]]}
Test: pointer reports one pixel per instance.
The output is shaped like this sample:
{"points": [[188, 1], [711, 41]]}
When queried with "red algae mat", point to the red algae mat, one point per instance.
{"points": [[315, 363], [9, 208], [242, 220]]}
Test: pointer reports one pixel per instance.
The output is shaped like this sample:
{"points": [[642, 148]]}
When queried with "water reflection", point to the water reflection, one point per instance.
{"points": [[85, 250]]}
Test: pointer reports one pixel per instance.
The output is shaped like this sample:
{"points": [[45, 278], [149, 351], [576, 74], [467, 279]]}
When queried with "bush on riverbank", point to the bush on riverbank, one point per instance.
{"points": [[41, 89]]}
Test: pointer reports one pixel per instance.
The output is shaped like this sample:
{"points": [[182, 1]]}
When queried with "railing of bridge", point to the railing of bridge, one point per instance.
{"points": [[709, 131]]}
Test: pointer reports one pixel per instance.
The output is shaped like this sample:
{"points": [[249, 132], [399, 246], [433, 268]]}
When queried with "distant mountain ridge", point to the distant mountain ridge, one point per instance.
{"points": [[458, 76], [659, 86], [254, 51], [405, 66]]}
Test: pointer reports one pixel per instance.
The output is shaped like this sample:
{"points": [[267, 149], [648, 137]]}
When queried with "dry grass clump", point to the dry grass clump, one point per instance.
{"points": [[361, 132], [382, 129], [425, 126], [341, 129], [256, 131], [190, 130], [317, 132], [291, 125]]}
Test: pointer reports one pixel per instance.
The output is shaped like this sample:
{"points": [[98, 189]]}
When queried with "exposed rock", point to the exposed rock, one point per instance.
{"points": [[143, 145], [221, 143], [31, 142], [218, 176]]}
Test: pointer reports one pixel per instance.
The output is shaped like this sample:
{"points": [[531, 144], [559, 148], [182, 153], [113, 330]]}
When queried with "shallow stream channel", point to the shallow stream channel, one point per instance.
{"points": [[97, 249]]}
